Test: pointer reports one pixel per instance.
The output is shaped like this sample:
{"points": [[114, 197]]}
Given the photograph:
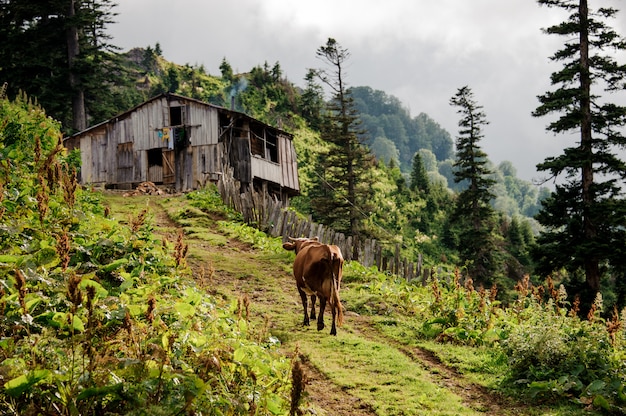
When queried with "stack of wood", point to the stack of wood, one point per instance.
{"points": [[146, 188]]}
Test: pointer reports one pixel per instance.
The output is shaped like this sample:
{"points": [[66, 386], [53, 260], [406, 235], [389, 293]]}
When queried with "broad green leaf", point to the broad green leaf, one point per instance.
{"points": [[240, 354], [96, 392], [165, 341], [116, 264], [185, 310], [7, 258], [128, 282], [61, 320], [596, 386], [32, 304], [101, 292], [19, 385], [243, 325], [601, 402], [5, 343], [136, 310], [77, 324], [274, 404], [48, 319], [47, 258]]}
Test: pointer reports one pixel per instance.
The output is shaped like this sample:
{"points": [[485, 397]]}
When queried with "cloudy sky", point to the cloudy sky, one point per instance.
{"points": [[420, 51]]}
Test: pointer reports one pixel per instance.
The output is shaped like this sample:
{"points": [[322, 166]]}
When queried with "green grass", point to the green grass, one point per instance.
{"points": [[381, 375], [366, 367]]}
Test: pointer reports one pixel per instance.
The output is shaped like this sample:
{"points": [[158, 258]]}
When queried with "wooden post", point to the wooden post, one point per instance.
{"points": [[397, 259]]}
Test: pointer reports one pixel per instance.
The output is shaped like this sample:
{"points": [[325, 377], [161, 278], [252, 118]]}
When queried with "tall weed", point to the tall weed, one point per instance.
{"points": [[551, 352], [100, 317]]}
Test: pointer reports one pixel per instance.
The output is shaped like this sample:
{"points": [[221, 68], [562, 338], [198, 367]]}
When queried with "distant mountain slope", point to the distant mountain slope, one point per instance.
{"points": [[392, 132]]}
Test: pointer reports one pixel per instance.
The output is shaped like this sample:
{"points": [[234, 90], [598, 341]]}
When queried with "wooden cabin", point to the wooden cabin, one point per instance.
{"points": [[183, 143]]}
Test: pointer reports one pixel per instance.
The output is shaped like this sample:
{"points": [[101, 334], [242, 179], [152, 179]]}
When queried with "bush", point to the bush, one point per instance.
{"points": [[547, 346]]}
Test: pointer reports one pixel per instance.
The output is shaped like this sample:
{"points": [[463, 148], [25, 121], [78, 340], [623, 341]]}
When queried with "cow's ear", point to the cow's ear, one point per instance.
{"points": [[316, 238], [289, 246]]}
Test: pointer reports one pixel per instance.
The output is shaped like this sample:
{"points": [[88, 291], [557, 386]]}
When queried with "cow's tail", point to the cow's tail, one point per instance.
{"points": [[336, 302]]}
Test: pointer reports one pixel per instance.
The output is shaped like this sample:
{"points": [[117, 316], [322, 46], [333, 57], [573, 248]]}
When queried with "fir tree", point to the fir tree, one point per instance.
{"points": [[58, 52], [585, 217], [473, 218], [419, 177], [312, 100], [343, 190]]}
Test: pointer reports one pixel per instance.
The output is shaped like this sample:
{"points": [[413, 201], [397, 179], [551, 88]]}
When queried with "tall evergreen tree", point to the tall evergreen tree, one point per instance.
{"points": [[58, 52], [419, 177], [473, 218], [312, 100], [585, 217], [343, 191]]}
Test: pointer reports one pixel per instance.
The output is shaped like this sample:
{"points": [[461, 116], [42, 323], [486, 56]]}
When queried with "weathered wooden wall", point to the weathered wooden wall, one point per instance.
{"points": [[116, 152], [288, 163], [274, 217]]}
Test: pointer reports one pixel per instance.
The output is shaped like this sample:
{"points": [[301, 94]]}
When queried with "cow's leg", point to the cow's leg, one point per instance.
{"points": [[304, 302], [333, 329], [312, 306], [320, 318]]}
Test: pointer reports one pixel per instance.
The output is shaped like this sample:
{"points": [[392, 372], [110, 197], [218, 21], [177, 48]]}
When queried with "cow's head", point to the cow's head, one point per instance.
{"points": [[297, 244]]}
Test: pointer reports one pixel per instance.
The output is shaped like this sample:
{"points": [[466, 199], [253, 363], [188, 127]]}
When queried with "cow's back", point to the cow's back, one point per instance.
{"points": [[312, 267]]}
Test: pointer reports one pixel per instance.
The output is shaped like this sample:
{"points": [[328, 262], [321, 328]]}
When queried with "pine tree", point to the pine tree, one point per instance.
{"points": [[585, 217], [473, 218], [312, 100], [343, 190], [58, 52], [419, 177]]}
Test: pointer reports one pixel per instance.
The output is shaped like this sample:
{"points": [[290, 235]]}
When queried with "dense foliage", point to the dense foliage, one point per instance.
{"points": [[59, 53], [537, 347], [393, 133], [99, 316]]}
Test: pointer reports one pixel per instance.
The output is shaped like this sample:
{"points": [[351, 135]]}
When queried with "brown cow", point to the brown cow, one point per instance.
{"points": [[318, 270]]}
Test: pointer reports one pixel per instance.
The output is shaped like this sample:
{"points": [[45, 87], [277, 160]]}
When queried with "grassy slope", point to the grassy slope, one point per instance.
{"points": [[362, 371]]}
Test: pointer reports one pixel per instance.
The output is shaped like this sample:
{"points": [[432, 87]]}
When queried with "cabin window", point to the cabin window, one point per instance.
{"points": [[271, 147], [257, 139], [176, 116], [263, 143]]}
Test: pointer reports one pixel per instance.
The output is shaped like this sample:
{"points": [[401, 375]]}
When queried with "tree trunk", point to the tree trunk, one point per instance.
{"points": [[79, 117], [592, 270]]}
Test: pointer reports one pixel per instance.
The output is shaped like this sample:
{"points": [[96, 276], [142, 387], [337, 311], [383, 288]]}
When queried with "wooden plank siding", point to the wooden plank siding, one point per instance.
{"points": [[180, 141], [288, 163]]}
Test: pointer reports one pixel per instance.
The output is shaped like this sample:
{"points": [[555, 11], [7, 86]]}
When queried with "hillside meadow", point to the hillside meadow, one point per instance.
{"points": [[197, 313], [172, 305]]}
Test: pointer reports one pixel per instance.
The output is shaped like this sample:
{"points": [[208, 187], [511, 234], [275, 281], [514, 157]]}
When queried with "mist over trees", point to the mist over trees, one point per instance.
{"points": [[387, 120]]}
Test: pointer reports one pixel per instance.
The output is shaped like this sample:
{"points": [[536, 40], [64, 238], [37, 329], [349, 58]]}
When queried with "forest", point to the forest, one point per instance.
{"points": [[400, 179]]}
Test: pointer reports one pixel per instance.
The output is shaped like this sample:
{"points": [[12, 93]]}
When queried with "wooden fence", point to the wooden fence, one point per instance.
{"points": [[275, 218]]}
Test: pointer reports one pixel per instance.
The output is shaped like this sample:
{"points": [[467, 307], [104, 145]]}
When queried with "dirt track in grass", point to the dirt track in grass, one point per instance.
{"points": [[231, 268]]}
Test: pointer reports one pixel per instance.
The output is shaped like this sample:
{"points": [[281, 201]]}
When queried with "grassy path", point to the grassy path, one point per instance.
{"points": [[359, 372]]}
